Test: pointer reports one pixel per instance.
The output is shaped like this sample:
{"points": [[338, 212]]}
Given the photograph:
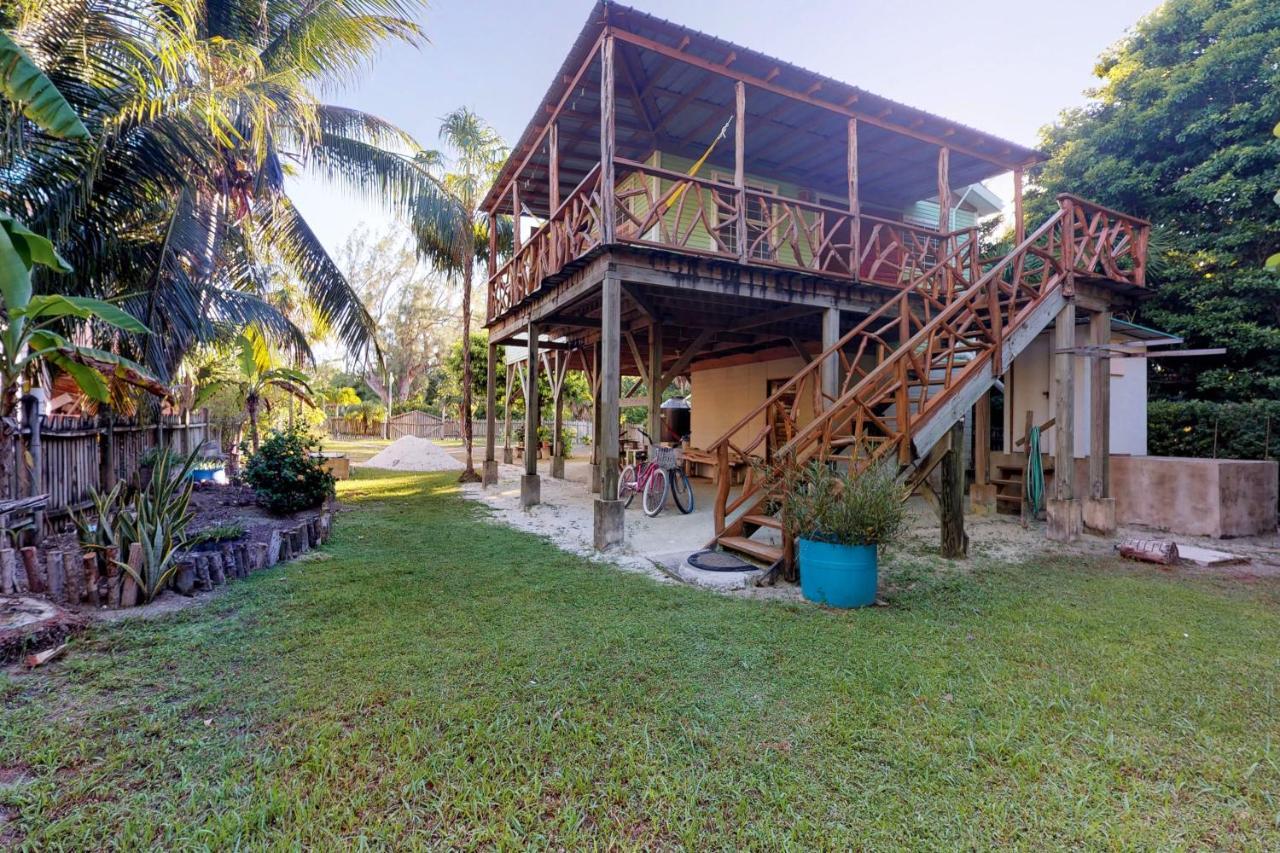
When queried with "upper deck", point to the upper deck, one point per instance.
{"points": [[657, 136]]}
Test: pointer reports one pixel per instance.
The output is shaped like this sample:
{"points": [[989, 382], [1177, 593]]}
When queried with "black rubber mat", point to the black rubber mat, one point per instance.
{"points": [[719, 561]]}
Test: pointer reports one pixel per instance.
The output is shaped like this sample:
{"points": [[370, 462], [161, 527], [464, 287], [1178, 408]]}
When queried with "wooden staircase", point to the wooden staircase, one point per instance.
{"points": [[917, 364]]}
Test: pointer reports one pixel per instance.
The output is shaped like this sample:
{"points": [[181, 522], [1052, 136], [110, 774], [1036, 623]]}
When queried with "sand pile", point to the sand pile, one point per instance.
{"points": [[411, 453]]}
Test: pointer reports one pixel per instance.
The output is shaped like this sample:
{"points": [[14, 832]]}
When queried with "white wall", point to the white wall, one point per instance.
{"points": [[721, 396], [1031, 379]]}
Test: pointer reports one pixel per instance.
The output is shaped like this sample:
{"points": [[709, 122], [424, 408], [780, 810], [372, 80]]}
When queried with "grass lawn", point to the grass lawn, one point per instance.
{"points": [[440, 681]]}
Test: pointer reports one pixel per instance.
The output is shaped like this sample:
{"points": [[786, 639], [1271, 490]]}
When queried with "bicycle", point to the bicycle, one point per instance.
{"points": [[655, 477]]}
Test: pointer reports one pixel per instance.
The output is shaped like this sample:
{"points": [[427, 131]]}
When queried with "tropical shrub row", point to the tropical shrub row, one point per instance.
{"points": [[1207, 429]]}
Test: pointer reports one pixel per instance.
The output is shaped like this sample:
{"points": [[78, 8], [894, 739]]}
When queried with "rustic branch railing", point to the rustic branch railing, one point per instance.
{"points": [[904, 362]]}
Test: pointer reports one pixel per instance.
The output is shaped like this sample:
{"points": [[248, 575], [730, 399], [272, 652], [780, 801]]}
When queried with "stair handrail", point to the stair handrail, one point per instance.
{"points": [[881, 313], [981, 288]]}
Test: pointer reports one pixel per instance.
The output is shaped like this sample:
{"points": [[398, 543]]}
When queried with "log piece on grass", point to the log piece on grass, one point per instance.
{"points": [[300, 540], [34, 571], [1160, 551], [260, 555], [229, 563], [54, 579], [129, 592], [89, 567], [217, 571], [245, 558], [273, 549]]}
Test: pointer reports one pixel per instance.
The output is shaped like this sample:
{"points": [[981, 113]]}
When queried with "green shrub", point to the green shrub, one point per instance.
{"points": [[285, 476], [1224, 430], [217, 533], [820, 503]]}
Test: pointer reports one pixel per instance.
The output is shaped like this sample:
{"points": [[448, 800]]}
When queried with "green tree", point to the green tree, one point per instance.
{"points": [[455, 373], [451, 230], [254, 376], [1180, 131], [198, 110]]}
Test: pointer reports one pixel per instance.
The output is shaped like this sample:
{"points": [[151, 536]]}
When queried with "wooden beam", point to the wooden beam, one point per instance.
{"points": [[531, 404], [608, 197], [1100, 407], [739, 167], [1064, 333], [515, 217], [687, 356], [491, 406], [829, 370], [767, 85], [655, 382], [610, 379], [855, 206], [1019, 224], [647, 308], [553, 167], [944, 189], [641, 366], [982, 440], [955, 542]]}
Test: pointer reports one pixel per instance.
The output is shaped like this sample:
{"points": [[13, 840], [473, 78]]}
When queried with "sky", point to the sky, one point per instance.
{"points": [[1005, 66]]}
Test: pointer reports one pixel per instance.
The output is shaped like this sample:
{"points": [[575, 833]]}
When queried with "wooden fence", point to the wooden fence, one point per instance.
{"points": [[67, 457], [432, 426]]}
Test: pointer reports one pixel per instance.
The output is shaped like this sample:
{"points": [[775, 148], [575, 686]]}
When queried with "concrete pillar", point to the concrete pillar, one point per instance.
{"points": [[830, 367], [530, 485], [491, 418], [609, 518], [1099, 508], [1063, 508]]}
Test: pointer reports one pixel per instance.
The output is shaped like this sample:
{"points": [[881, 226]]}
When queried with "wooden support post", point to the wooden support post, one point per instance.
{"points": [[855, 206], [739, 169], [596, 457], [608, 198], [1064, 509], [31, 418], [1019, 224], [515, 215], [491, 418], [654, 381], [609, 517], [507, 455], [1099, 510], [955, 542], [107, 450], [830, 367], [530, 492], [982, 494], [553, 166], [944, 194]]}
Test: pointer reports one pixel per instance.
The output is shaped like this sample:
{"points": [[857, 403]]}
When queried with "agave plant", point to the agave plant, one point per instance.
{"points": [[155, 519]]}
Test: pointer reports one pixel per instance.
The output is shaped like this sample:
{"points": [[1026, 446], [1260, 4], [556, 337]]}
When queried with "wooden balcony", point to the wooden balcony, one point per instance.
{"points": [[658, 208]]}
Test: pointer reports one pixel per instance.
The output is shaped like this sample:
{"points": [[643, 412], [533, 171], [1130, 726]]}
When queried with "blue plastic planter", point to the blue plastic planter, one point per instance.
{"points": [[838, 575], [200, 475]]}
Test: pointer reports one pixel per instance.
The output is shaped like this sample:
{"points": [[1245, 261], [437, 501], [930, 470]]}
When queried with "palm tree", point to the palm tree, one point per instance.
{"points": [[199, 109], [451, 230], [257, 373]]}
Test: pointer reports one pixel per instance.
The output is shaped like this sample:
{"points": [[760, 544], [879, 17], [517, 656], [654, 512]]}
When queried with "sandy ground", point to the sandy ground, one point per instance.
{"points": [[411, 453], [656, 545]]}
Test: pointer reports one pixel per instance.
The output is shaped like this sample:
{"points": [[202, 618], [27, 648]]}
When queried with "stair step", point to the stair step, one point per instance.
{"points": [[763, 521], [1003, 481], [1017, 499], [760, 550]]}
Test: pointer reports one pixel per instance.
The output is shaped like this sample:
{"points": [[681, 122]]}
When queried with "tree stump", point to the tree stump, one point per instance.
{"points": [[229, 563], [273, 549], [8, 571], [55, 581], [184, 578], [89, 565], [955, 542], [217, 573], [259, 558], [129, 592], [73, 576], [203, 581], [34, 571]]}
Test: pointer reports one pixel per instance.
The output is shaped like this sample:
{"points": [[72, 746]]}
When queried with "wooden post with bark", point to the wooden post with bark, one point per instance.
{"points": [[955, 542]]}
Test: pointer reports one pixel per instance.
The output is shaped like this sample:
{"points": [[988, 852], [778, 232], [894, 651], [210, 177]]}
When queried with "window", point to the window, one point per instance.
{"points": [[758, 218]]}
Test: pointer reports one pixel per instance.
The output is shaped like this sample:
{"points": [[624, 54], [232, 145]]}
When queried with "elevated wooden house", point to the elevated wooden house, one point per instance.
{"points": [[807, 252]]}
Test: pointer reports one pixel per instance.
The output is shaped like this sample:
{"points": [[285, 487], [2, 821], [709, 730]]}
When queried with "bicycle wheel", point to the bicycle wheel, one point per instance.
{"points": [[627, 487], [681, 490], [655, 493]]}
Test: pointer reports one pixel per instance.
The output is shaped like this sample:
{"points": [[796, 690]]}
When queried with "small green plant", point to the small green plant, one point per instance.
{"points": [[217, 533], [566, 441], [155, 454], [285, 476], [820, 503], [155, 518], [209, 463]]}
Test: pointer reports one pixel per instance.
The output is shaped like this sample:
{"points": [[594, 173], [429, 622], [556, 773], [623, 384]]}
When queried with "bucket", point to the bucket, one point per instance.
{"points": [[838, 575]]}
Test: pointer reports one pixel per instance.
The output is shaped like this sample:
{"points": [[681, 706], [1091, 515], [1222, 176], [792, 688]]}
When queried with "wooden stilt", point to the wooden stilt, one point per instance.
{"points": [[955, 542]]}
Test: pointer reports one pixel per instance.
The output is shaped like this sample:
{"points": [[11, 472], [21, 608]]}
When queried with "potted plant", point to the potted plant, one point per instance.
{"points": [[838, 522], [544, 442], [207, 469]]}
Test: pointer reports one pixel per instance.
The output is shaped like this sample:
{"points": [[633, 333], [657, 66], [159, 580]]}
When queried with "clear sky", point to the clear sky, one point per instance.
{"points": [[1005, 66]]}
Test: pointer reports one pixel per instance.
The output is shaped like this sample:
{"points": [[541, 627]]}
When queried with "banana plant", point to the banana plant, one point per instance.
{"points": [[257, 374], [22, 82], [31, 340]]}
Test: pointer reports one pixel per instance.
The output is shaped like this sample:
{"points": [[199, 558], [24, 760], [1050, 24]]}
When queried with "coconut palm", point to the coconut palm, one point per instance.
{"points": [[256, 374], [199, 110], [451, 230]]}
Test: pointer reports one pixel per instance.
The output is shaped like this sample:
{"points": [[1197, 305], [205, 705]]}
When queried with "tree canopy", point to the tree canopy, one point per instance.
{"points": [[1180, 131]]}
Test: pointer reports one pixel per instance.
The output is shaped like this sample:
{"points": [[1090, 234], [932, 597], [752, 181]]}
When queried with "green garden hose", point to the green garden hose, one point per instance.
{"points": [[1035, 472]]}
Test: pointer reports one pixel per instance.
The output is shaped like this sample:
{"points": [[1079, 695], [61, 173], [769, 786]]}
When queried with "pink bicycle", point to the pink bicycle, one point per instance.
{"points": [[657, 476]]}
